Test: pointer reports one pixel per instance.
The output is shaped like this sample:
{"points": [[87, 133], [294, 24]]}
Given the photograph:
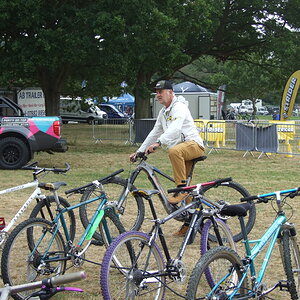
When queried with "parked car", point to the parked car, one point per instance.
{"points": [[22, 136], [243, 109], [113, 113], [262, 111], [72, 110]]}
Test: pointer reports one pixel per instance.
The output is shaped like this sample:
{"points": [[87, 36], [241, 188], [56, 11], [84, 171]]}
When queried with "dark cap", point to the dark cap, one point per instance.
{"points": [[164, 85]]}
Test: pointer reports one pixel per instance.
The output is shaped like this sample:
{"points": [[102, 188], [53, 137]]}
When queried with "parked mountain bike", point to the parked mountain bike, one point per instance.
{"points": [[47, 287], [222, 274], [45, 201], [38, 247], [229, 192], [141, 270]]}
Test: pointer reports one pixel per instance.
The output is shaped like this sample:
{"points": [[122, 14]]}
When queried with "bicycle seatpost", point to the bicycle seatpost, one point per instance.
{"points": [[190, 174]]}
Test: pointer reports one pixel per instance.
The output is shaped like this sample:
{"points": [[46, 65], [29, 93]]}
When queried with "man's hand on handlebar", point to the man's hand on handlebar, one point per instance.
{"points": [[133, 157], [152, 148]]}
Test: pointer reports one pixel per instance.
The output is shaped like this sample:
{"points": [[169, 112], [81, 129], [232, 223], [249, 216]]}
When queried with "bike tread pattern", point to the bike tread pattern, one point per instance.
{"points": [[290, 248]]}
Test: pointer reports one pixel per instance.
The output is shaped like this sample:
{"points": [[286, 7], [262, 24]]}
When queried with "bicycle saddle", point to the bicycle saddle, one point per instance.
{"points": [[200, 158], [239, 210], [51, 186]]}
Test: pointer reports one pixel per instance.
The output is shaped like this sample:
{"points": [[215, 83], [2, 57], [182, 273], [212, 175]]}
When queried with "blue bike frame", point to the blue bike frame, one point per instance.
{"points": [[271, 235]]}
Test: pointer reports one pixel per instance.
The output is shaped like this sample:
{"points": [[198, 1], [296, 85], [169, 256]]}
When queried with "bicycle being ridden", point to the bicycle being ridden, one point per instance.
{"points": [[221, 274], [130, 206], [144, 269]]}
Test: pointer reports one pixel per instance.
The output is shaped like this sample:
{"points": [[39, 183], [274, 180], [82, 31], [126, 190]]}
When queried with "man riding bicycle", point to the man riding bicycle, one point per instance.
{"points": [[174, 128]]}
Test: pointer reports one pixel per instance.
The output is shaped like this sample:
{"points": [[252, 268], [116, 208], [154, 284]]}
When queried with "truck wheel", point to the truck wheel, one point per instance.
{"points": [[90, 121], [14, 153]]}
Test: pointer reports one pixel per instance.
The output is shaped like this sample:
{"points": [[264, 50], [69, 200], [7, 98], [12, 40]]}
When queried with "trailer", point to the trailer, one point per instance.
{"points": [[203, 105]]}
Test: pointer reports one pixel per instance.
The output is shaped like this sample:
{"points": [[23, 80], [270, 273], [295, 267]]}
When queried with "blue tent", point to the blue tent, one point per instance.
{"points": [[125, 103]]}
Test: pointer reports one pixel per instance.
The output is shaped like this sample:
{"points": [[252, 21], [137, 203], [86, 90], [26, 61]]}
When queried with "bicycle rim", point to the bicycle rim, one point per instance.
{"points": [[140, 267], [225, 234], [224, 267], [132, 214], [231, 193], [23, 252]]}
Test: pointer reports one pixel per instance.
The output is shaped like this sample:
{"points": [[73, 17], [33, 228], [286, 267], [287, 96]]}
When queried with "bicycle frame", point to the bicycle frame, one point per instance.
{"points": [[198, 214], [151, 173], [59, 220], [270, 235], [37, 194]]}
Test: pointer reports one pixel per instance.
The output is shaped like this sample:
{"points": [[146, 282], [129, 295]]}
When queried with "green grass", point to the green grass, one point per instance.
{"points": [[90, 160]]}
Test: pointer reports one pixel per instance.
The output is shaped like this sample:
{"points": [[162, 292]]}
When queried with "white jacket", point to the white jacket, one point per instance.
{"points": [[174, 125]]}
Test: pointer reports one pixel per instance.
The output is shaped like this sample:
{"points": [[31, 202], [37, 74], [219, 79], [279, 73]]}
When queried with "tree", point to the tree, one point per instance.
{"points": [[47, 42], [176, 33], [139, 41]]}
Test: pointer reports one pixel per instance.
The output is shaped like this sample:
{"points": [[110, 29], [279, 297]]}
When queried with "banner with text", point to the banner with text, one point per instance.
{"points": [[32, 101], [289, 96]]}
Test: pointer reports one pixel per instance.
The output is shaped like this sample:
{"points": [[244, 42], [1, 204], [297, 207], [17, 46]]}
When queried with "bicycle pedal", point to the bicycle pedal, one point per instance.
{"points": [[97, 243], [283, 285]]}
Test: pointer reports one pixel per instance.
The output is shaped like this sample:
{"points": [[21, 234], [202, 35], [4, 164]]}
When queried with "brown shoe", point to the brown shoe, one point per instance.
{"points": [[182, 231], [178, 198]]}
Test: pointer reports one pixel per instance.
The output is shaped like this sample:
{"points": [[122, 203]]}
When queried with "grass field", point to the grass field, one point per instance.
{"points": [[90, 160]]}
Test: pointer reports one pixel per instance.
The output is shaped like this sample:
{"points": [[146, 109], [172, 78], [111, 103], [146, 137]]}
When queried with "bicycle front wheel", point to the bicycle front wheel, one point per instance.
{"points": [[209, 229], [46, 209], [231, 192], [32, 252], [140, 269], [133, 209], [216, 275], [291, 262]]}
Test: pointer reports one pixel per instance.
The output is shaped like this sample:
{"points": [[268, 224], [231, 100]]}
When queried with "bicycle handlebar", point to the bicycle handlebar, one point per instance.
{"points": [[34, 167], [48, 282], [66, 278], [102, 180], [192, 187], [265, 197]]}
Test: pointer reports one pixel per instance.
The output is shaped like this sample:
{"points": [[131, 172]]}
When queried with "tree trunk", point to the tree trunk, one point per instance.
{"points": [[51, 84], [142, 108]]}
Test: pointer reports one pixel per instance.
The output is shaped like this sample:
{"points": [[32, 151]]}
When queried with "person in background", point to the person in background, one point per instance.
{"points": [[175, 129]]}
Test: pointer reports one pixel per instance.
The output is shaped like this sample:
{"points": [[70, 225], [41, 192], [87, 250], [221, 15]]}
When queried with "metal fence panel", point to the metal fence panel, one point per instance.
{"points": [[282, 137], [113, 130]]}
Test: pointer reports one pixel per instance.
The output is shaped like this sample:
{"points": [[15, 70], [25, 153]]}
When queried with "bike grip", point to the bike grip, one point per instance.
{"points": [[218, 181], [66, 278], [181, 189], [56, 170], [90, 184], [111, 175], [246, 199], [175, 190]]}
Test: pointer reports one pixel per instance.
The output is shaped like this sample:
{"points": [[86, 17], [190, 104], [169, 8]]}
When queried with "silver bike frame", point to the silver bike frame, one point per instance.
{"points": [[37, 194]]}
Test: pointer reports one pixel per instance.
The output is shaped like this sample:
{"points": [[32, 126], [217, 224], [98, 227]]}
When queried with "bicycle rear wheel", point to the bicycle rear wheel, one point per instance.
{"points": [[231, 192], [291, 263], [216, 275], [140, 274], [133, 212], [46, 209], [24, 257], [208, 229]]}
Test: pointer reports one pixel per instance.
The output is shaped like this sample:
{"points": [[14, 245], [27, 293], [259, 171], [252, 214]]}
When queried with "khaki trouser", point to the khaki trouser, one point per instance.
{"points": [[181, 157]]}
